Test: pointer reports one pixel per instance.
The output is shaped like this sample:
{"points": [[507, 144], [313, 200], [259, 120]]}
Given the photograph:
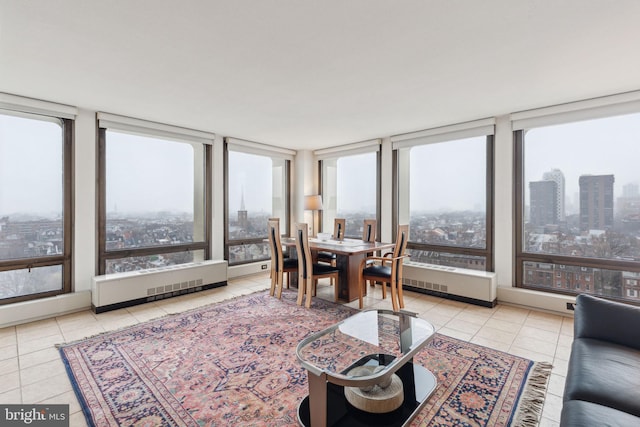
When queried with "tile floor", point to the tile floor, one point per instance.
{"points": [[31, 370]]}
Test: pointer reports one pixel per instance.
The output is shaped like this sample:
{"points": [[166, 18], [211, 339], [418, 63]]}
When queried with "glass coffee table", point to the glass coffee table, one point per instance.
{"points": [[380, 344]]}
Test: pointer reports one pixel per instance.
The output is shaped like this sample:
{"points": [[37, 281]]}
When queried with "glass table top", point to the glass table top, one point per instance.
{"points": [[391, 338]]}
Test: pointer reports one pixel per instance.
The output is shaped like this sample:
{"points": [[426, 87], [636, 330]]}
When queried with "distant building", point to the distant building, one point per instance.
{"points": [[596, 202], [243, 219], [557, 176], [543, 202]]}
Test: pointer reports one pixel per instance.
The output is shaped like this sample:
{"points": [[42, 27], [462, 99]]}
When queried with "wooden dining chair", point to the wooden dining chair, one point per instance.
{"points": [[369, 230], [338, 234], [387, 269], [279, 264], [308, 271]]}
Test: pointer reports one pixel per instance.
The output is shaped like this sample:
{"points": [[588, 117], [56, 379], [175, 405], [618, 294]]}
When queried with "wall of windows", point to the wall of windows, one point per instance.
{"points": [[35, 205], [444, 192], [350, 191], [256, 190], [154, 197], [578, 212]]}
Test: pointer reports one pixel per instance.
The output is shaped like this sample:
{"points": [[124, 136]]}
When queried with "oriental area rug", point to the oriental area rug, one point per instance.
{"points": [[234, 364]]}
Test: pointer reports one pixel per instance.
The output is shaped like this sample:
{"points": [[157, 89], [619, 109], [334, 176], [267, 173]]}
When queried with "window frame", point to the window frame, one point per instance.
{"points": [[284, 227], [378, 190], [66, 259], [488, 251], [103, 255], [520, 256]]}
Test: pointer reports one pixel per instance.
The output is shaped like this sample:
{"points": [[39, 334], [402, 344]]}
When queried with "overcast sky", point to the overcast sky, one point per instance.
{"points": [[149, 174]]}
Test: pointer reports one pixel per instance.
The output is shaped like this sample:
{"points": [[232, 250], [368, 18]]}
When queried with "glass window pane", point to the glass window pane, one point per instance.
{"points": [[137, 263], [447, 193], [349, 187], [576, 279], [16, 283], [581, 189], [255, 194], [154, 192], [448, 259], [31, 188], [249, 252]]}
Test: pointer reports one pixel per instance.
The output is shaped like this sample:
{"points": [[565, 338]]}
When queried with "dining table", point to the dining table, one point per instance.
{"points": [[349, 255]]}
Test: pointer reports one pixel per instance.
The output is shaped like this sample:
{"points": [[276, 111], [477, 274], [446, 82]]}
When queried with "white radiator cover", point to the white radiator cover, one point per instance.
{"points": [[479, 287], [119, 290]]}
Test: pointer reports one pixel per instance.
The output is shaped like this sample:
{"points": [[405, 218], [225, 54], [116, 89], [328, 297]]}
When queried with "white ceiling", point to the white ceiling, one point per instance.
{"points": [[311, 74]]}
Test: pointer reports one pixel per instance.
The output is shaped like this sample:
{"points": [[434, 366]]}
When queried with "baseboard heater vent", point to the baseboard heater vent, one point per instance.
{"points": [[460, 284], [113, 291]]}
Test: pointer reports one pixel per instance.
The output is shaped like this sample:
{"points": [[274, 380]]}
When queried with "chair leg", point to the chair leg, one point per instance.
{"points": [[310, 283], [394, 296], [335, 287], [360, 290], [384, 290], [279, 284], [274, 282], [301, 288]]}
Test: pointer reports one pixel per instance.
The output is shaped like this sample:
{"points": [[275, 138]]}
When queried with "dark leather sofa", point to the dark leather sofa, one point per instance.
{"points": [[603, 380]]}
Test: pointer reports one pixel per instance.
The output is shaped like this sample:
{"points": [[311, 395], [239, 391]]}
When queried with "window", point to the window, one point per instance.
{"points": [[256, 190], [35, 205], [444, 185], [154, 197], [350, 191], [579, 202]]}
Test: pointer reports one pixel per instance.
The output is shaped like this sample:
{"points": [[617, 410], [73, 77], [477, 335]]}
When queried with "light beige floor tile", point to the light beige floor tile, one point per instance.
{"points": [[39, 344], [11, 397], [35, 334], [463, 336], [503, 325], [46, 389], [9, 365], [435, 318], [40, 372], [556, 385], [533, 344], [547, 324], [38, 357], [552, 407], [446, 310], [463, 326], [567, 326], [540, 334], [496, 345], [529, 354], [9, 381], [546, 422], [496, 335], [563, 352], [76, 319], [8, 351], [511, 314], [77, 420], [8, 335], [472, 317], [84, 332], [560, 367]]}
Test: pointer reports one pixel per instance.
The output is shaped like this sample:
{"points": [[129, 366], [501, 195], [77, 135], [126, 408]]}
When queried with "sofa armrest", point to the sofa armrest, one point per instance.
{"points": [[606, 320]]}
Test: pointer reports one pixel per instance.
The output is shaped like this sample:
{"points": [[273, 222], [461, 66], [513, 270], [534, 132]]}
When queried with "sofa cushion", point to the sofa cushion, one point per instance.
{"points": [[604, 373], [577, 413]]}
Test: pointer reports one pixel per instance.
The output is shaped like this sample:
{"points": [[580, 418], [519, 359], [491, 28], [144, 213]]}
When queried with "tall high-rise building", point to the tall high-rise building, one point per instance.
{"points": [[596, 202], [630, 190], [542, 202], [557, 176]]}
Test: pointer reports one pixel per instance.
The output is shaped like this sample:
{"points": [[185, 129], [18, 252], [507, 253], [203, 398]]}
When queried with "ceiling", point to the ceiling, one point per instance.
{"points": [[309, 74]]}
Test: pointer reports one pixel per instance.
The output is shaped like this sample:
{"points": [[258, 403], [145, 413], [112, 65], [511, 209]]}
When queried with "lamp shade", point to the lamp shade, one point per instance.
{"points": [[313, 203]]}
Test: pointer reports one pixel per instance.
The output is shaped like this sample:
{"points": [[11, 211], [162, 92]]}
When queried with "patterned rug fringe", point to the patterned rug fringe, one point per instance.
{"points": [[529, 408]]}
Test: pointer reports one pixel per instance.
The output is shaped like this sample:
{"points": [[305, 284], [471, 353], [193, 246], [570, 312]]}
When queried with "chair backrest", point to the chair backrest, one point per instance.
{"points": [[275, 244], [305, 262], [402, 239], [369, 230], [338, 228]]}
